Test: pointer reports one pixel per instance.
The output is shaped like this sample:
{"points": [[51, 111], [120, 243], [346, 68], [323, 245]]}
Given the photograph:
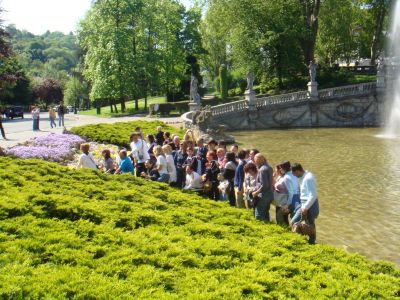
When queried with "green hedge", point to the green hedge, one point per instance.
{"points": [[165, 109], [84, 235], [119, 133]]}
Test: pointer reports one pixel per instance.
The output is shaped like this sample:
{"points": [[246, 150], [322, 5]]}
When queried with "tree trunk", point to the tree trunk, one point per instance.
{"points": [[123, 106], [310, 13], [136, 103], [111, 105], [376, 40]]}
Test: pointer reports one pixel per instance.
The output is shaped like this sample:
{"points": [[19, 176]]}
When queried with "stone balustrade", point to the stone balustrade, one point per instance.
{"points": [[345, 91], [282, 99], [229, 108]]}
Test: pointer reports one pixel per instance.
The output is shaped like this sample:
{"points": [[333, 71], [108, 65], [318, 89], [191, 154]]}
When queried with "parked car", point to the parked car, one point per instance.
{"points": [[14, 112], [70, 109]]}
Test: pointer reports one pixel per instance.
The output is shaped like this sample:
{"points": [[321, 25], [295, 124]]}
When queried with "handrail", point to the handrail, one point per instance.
{"points": [[229, 108], [349, 90], [280, 99]]}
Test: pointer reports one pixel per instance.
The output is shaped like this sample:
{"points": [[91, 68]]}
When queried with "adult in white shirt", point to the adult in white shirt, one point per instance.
{"points": [[193, 180], [309, 208], [86, 160], [161, 165], [140, 152], [170, 163]]}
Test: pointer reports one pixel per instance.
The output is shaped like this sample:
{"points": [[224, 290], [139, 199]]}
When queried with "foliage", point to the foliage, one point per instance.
{"points": [[76, 92], [223, 81], [119, 133], [137, 48], [52, 147], [81, 234], [50, 55], [167, 108], [277, 39], [49, 91]]}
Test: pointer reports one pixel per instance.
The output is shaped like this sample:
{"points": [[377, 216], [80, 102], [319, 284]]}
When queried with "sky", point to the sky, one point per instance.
{"points": [[38, 16]]}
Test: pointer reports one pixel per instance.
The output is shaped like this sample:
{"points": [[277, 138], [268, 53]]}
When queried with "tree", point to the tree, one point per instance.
{"points": [[133, 47], [76, 92], [223, 81], [49, 91], [379, 10], [338, 31], [310, 13]]}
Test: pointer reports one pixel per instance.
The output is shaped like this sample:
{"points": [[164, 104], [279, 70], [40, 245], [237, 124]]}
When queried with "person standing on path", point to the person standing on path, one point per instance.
{"points": [[61, 112], [309, 208], [3, 134], [52, 117], [35, 117], [264, 194]]}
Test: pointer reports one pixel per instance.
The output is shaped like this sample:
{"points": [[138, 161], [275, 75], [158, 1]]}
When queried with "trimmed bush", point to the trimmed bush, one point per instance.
{"points": [[84, 235], [119, 133], [165, 109]]}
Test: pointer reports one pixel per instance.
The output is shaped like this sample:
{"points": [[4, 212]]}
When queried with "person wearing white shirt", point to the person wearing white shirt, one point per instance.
{"points": [[292, 186], [193, 180], [140, 152], [86, 160], [309, 208], [161, 165], [170, 164]]}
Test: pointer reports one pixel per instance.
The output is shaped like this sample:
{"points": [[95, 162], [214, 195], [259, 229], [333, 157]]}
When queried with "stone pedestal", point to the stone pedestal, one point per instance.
{"points": [[313, 90], [250, 97], [194, 106]]}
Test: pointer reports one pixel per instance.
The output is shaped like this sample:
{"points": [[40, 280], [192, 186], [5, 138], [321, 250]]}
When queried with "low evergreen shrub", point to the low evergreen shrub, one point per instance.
{"points": [[119, 133], [80, 234]]}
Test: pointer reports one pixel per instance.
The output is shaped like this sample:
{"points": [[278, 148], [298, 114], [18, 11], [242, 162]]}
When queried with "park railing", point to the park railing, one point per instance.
{"points": [[229, 108], [281, 99], [349, 90]]}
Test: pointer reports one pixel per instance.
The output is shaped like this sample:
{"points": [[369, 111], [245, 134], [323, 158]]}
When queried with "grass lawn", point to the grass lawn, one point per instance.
{"points": [[130, 108]]}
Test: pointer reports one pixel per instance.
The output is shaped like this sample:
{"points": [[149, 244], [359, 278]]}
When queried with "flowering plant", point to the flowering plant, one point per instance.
{"points": [[52, 147]]}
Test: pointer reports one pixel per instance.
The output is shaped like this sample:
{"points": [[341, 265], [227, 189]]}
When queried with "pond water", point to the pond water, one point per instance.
{"points": [[358, 180]]}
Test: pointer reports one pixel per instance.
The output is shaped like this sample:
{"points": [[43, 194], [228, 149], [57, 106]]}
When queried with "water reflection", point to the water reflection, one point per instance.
{"points": [[358, 177]]}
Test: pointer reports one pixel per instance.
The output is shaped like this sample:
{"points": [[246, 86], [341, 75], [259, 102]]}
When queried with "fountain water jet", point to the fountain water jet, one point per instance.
{"points": [[392, 128]]}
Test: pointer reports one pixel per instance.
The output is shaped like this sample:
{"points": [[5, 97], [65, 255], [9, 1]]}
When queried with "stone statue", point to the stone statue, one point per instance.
{"points": [[313, 71], [250, 81], [194, 94]]}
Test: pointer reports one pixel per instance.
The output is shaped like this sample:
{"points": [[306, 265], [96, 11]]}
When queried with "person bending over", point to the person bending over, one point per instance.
{"points": [[309, 208]]}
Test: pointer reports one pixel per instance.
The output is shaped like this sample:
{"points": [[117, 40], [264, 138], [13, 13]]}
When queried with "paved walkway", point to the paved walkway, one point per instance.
{"points": [[20, 130]]}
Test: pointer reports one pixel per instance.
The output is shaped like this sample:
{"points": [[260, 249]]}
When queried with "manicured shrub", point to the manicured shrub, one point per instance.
{"points": [[119, 133], [165, 109], [223, 79], [81, 234]]}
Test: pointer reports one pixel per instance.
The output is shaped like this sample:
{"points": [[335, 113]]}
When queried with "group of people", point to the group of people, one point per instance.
{"points": [[241, 177], [61, 111]]}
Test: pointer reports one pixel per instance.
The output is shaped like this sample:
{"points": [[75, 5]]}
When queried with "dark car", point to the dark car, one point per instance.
{"points": [[15, 112]]}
